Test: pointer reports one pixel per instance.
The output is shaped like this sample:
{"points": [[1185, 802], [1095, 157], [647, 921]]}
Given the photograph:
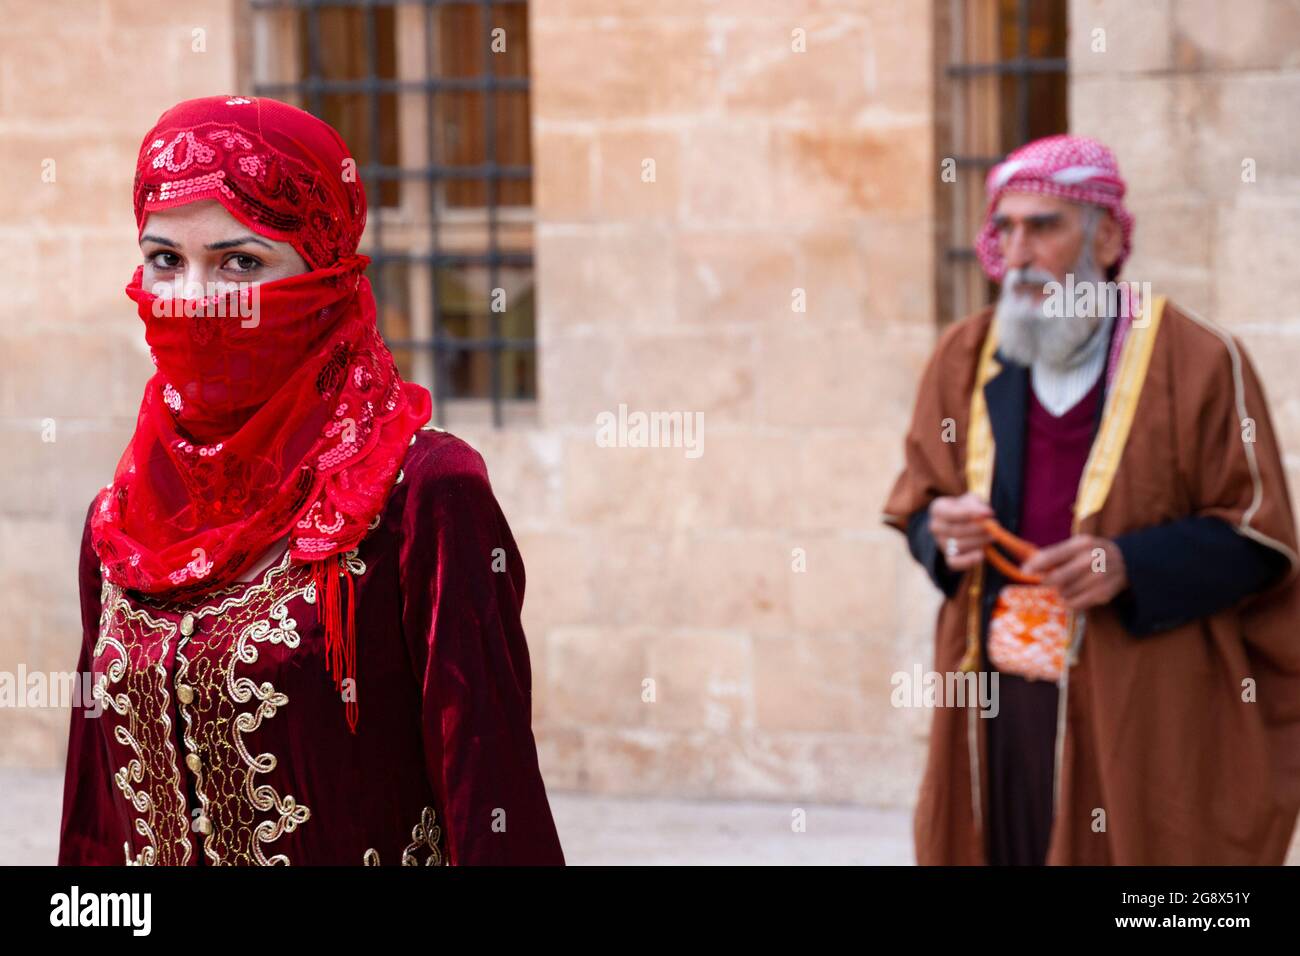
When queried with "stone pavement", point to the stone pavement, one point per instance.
{"points": [[608, 830], [593, 829]]}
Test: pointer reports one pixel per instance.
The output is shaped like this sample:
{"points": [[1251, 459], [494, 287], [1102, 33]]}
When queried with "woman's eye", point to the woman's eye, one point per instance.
{"points": [[164, 260], [242, 262]]}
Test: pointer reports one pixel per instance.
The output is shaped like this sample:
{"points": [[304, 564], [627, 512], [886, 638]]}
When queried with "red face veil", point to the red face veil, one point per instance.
{"points": [[275, 409]]}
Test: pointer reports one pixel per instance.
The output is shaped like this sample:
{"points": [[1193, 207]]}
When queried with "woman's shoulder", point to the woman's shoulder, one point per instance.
{"points": [[441, 469], [435, 453]]}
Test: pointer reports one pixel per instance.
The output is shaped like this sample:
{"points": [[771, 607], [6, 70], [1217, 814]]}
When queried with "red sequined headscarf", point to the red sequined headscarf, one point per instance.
{"points": [[276, 409]]}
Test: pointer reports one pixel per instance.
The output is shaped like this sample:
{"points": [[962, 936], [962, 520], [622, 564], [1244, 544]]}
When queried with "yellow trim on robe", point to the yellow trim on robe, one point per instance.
{"points": [[1117, 420], [979, 444], [979, 478]]}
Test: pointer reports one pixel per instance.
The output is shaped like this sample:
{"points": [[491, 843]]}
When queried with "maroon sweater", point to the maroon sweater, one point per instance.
{"points": [[1056, 449]]}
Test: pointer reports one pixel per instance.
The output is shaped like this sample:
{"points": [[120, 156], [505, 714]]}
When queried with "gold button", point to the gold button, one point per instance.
{"points": [[203, 825], [185, 692], [193, 762], [187, 625]]}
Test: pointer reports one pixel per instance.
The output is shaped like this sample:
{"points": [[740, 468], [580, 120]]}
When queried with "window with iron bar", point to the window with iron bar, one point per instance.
{"points": [[1003, 83], [432, 97]]}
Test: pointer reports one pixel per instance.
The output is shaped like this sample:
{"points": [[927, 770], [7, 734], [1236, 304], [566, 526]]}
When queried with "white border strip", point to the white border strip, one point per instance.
{"points": [[1239, 395]]}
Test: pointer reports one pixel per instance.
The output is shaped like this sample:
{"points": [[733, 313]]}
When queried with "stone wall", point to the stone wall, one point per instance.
{"points": [[774, 171], [1199, 99]]}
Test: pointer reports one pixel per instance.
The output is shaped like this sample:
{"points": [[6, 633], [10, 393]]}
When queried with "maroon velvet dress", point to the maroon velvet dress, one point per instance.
{"points": [[222, 739]]}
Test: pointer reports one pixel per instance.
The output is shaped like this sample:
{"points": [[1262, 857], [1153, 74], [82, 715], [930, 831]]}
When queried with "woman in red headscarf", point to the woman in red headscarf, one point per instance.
{"points": [[283, 543]]}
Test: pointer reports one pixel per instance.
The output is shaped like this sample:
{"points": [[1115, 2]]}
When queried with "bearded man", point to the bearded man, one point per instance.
{"points": [[1096, 488]]}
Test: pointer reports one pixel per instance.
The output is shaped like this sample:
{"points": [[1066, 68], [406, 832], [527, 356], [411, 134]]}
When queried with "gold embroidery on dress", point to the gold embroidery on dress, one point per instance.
{"points": [[132, 650], [234, 805], [428, 834], [424, 835], [238, 818]]}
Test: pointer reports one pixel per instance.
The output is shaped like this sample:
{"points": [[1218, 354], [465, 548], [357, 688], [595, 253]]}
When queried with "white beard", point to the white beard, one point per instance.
{"points": [[1030, 337], [1066, 353]]}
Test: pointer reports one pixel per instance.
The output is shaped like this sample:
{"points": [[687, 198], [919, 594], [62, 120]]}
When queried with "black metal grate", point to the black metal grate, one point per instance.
{"points": [[1032, 74], [471, 330]]}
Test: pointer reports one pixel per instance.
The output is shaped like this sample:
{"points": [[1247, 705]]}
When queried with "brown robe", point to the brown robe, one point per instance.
{"points": [[1156, 731]]}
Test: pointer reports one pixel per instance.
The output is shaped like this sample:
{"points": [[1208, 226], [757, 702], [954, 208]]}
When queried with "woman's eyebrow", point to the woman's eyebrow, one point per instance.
{"points": [[232, 243], [158, 239]]}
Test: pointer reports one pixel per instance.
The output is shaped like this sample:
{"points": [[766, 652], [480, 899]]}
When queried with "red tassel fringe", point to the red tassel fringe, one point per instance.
{"points": [[340, 640]]}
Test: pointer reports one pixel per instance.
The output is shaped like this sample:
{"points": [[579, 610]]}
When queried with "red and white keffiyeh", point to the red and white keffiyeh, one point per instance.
{"points": [[1076, 168]]}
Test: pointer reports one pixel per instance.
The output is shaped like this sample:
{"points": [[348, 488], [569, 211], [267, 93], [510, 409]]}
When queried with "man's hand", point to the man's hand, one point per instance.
{"points": [[1086, 570], [957, 524]]}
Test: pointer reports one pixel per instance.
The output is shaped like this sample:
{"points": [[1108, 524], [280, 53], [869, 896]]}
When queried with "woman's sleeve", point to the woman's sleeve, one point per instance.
{"points": [[463, 586], [90, 831]]}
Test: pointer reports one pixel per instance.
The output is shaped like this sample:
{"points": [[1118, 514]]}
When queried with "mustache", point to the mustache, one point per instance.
{"points": [[1021, 280]]}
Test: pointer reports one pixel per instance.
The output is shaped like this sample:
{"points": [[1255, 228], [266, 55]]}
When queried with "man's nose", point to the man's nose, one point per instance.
{"points": [[1019, 252]]}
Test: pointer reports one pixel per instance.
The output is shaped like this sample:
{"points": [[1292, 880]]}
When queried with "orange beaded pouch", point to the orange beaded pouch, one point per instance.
{"points": [[1028, 632]]}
